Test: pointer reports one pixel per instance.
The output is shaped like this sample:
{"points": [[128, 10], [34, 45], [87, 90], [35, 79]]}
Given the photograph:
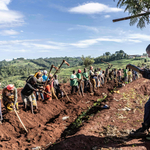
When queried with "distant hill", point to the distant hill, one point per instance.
{"points": [[18, 69]]}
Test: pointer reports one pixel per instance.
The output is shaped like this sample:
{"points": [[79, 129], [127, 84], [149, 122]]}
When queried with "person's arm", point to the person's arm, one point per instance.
{"points": [[32, 88]]}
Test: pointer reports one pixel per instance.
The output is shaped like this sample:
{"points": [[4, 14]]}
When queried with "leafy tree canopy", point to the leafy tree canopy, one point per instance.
{"points": [[135, 7]]}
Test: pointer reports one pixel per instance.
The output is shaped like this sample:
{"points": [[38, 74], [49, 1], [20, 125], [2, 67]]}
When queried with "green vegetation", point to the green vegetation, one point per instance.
{"points": [[86, 114], [135, 7], [17, 70]]}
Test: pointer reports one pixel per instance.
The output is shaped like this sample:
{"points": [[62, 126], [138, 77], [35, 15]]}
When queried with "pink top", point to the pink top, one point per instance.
{"points": [[119, 72]]}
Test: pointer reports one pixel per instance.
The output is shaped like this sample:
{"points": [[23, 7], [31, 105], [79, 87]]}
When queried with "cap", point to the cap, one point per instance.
{"points": [[45, 72], [79, 71], [10, 87], [39, 74]]}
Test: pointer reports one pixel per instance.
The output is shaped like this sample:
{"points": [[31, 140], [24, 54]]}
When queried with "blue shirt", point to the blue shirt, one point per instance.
{"points": [[44, 78]]}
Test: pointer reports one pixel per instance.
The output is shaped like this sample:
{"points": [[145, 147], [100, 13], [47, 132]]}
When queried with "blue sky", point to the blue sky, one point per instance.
{"points": [[55, 28]]}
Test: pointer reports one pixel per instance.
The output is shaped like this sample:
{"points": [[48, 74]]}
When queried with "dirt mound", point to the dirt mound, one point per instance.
{"points": [[48, 123]]}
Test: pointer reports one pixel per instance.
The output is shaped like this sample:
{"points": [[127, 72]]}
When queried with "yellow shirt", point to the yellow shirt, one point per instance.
{"points": [[129, 73]]}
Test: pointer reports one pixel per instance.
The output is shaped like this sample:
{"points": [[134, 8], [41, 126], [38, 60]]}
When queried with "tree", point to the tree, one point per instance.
{"points": [[136, 7], [87, 60]]}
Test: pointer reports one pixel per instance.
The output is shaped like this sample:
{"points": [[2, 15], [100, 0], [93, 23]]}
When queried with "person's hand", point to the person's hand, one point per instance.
{"points": [[13, 106]]}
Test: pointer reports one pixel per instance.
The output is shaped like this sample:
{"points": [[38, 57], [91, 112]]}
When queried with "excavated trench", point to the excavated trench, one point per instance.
{"points": [[53, 120]]}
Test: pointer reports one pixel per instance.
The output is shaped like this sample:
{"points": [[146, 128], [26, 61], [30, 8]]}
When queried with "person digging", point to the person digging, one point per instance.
{"points": [[79, 81], [86, 81], [74, 82], [9, 95], [92, 79], [146, 122], [27, 95], [57, 87]]}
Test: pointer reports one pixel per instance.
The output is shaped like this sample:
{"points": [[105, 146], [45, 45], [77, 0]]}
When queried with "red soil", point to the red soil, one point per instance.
{"points": [[46, 125]]}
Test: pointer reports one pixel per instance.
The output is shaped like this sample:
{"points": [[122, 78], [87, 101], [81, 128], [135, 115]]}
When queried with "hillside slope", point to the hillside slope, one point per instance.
{"points": [[47, 125]]}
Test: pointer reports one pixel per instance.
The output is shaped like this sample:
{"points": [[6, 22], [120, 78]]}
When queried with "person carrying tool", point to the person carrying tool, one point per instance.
{"points": [[146, 121], [74, 82], [9, 95], [27, 92], [51, 83], [40, 82], [92, 79], [111, 74], [86, 81], [79, 81], [129, 76], [57, 86], [125, 71], [107, 74], [119, 74], [47, 90], [44, 76]]}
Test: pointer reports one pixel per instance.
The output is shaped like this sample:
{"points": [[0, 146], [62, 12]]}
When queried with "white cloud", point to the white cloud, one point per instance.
{"points": [[93, 8], [9, 32], [8, 59], [3, 4], [9, 18], [142, 37], [45, 46], [17, 51], [107, 16], [81, 27], [89, 42]]}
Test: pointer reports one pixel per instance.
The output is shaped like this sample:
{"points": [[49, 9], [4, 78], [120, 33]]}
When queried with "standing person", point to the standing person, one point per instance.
{"points": [[111, 73], [74, 82], [125, 71], [51, 83], [86, 81], [38, 75], [79, 80], [91, 73], [119, 75], [44, 76], [129, 75], [27, 92], [146, 121], [136, 75], [96, 77], [102, 77], [115, 73], [57, 86], [99, 76], [9, 94]]}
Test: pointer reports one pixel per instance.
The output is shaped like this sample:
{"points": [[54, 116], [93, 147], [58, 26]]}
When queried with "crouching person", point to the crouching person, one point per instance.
{"points": [[27, 93], [10, 97]]}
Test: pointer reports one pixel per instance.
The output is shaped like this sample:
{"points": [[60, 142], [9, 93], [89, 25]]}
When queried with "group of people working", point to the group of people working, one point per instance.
{"points": [[37, 83], [96, 78]]}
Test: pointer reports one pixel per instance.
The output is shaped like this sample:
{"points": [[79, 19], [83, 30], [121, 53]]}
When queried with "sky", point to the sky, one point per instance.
{"points": [[57, 28]]}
